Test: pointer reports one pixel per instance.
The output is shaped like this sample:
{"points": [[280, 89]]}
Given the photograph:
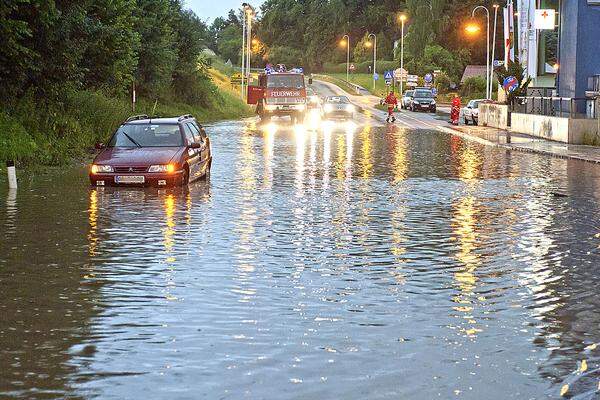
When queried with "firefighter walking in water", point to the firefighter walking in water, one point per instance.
{"points": [[392, 103]]}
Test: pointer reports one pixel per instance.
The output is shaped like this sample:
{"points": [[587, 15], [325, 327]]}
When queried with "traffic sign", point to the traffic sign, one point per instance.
{"points": [[428, 78], [400, 73], [434, 91], [376, 76], [388, 75], [236, 79], [352, 67], [510, 84], [498, 63]]}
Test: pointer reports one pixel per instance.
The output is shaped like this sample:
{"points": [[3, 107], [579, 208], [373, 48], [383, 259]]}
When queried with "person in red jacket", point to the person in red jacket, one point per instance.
{"points": [[392, 103], [455, 111]]}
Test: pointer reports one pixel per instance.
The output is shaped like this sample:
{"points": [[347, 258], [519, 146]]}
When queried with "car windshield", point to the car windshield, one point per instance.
{"points": [[409, 93], [423, 93], [476, 104], [338, 99], [147, 135], [285, 81]]}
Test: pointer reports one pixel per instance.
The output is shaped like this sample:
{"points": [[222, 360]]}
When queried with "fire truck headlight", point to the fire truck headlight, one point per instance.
{"points": [[270, 107], [328, 108], [350, 108], [301, 107]]}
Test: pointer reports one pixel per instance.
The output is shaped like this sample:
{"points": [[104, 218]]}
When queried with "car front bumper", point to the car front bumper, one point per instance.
{"points": [[424, 107], [338, 114], [150, 179]]}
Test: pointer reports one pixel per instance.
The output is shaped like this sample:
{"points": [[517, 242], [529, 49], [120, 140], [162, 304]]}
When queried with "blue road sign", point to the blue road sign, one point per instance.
{"points": [[376, 76], [434, 91], [388, 75], [428, 78]]}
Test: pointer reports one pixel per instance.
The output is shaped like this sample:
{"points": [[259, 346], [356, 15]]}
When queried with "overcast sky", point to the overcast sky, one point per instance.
{"points": [[210, 9]]}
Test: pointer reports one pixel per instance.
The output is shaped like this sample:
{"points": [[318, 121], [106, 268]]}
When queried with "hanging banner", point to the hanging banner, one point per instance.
{"points": [[509, 33]]}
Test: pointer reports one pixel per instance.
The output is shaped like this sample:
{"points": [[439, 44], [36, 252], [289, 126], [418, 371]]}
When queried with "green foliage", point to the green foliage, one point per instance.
{"points": [[473, 87], [283, 55], [443, 82], [514, 68], [67, 68]]}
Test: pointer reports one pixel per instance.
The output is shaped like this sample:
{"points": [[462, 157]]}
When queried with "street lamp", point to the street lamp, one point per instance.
{"points": [[248, 11], [346, 42], [374, 56], [402, 21], [487, 61]]}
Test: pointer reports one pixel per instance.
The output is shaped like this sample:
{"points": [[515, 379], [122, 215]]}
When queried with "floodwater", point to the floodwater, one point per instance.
{"points": [[369, 263]]}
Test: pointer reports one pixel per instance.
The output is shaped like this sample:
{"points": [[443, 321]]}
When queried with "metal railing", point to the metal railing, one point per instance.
{"points": [[566, 107]]}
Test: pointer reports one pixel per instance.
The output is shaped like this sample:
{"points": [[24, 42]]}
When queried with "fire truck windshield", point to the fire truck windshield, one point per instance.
{"points": [[285, 81]]}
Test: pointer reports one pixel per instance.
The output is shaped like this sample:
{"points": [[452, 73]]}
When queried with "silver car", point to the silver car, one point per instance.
{"points": [[471, 112], [338, 107]]}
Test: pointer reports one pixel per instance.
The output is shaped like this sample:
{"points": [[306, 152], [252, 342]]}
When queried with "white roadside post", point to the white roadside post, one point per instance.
{"points": [[12, 174], [347, 38], [243, 66], [487, 63]]}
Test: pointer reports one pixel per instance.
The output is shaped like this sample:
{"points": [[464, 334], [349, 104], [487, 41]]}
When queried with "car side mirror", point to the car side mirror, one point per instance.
{"points": [[195, 145], [100, 146]]}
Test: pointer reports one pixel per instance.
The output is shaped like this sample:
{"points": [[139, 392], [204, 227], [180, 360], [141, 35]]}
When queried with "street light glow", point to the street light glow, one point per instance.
{"points": [[402, 17], [368, 44], [343, 43], [255, 42], [472, 29]]}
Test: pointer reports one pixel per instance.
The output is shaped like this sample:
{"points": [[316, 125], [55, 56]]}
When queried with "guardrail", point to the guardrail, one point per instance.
{"points": [[566, 107], [357, 89]]}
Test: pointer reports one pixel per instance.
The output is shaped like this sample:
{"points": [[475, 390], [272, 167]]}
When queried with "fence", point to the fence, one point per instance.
{"points": [[551, 106]]}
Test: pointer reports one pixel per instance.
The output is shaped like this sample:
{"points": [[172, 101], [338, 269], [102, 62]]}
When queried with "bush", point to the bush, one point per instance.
{"points": [[473, 85]]}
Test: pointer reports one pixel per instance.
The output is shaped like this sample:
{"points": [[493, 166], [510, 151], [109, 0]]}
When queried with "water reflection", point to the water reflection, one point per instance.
{"points": [[309, 254]]}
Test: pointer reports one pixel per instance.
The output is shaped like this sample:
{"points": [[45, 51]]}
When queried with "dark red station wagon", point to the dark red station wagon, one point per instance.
{"points": [[153, 152]]}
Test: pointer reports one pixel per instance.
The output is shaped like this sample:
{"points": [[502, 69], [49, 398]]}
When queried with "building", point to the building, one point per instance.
{"points": [[567, 57]]}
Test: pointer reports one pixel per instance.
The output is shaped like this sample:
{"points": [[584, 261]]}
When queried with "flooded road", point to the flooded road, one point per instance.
{"points": [[367, 263]]}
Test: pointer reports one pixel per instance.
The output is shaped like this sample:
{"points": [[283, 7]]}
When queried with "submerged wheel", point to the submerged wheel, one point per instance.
{"points": [[185, 177]]}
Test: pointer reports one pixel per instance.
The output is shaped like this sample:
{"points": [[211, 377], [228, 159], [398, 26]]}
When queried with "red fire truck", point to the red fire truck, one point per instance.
{"points": [[279, 94]]}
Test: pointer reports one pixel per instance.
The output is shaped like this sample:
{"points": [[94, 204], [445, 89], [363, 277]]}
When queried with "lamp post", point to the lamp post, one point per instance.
{"points": [[402, 21], [487, 62], [346, 41], [374, 57], [248, 11], [496, 6]]}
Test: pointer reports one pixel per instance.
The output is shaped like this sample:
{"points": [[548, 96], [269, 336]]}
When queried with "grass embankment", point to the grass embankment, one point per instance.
{"points": [[37, 133]]}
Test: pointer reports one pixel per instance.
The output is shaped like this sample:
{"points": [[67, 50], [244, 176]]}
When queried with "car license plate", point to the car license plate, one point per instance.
{"points": [[130, 179]]}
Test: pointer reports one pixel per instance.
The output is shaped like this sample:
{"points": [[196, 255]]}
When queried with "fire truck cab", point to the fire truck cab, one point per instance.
{"points": [[279, 94]]}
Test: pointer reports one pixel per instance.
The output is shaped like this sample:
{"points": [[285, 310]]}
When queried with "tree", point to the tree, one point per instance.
{"points": [[514, 69]]}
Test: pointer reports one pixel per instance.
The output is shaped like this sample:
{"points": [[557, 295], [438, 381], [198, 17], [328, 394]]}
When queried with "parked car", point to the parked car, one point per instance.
{"points": [[153, 152], [338, 107], [406, 99], [471, 112], [423, 100]]}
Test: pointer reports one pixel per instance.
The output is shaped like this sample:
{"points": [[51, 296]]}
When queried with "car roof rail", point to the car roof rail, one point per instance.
{"points": [[185, 116], [137, 117]]}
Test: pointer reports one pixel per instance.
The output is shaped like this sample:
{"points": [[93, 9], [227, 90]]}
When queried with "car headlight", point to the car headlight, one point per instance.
{"points": [[99, 169], [169, 168], [328, 108], [416, 102], [350, 108], [433, 102]]}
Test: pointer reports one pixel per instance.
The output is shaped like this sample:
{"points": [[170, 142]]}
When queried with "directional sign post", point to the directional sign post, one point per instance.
{"points": [[388, 76], [376, 76]]}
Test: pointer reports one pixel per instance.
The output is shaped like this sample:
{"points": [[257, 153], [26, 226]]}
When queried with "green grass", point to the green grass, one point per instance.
{"points": [[366, 81], [35, 133]]}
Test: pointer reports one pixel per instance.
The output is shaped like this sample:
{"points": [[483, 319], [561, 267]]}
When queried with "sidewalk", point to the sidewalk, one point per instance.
{"points": [[530, 144]]}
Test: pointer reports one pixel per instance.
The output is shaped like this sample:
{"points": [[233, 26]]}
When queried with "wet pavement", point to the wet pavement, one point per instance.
{"points": [[352, 262]]}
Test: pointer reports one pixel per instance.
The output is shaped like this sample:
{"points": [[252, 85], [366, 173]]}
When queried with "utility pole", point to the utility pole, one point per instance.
{"points": [[374, 58], [496, 6], [402, 20]]}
